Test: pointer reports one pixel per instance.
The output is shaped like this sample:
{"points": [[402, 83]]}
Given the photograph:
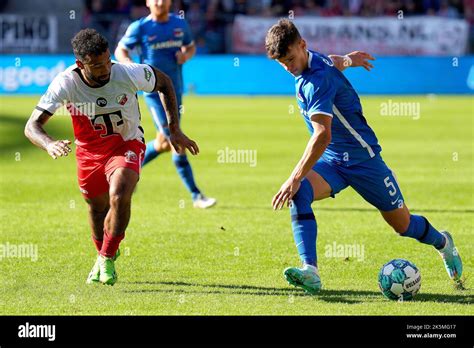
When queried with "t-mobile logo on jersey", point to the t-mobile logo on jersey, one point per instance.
{"points": [[107, 122]]}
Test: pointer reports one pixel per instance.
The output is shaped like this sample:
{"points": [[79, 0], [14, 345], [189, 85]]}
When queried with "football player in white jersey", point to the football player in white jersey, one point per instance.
{"points": [[101, 98]]}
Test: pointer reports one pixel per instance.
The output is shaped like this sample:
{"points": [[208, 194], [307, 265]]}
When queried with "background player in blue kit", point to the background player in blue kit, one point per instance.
{"points": [[342, 151], [164, 41]]}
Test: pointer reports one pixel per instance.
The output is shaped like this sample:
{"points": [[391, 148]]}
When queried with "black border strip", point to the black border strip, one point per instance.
{"points": [[349, 331], [43, 110]]}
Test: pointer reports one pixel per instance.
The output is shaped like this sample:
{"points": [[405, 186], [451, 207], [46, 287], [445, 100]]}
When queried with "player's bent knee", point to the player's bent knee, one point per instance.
{"points": [[122, 184], [99, 204], [98, 209], [166, 146], [162, 145], [120, 197], [118, 200], [321, 188]]}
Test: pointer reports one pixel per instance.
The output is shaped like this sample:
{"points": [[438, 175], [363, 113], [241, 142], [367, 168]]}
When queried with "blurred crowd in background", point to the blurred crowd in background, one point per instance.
{"points": [[211, 21]]}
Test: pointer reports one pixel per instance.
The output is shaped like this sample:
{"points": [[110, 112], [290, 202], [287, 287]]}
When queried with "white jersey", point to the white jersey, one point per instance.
{"points": [[103, 117]]}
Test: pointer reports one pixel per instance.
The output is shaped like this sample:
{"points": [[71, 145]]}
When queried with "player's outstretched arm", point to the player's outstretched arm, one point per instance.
{"points": [[185, 53], [165, 90], [317, 144], [122, 55], [353, 59], [35, 132]]}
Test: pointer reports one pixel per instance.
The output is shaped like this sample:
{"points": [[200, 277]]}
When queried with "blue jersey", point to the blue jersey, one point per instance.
{"points": [[158, 43], [323, 89]]}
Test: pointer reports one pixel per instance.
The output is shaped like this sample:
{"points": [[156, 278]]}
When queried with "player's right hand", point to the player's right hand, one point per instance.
{"points": [[181, 142], [286, 193], [58, 148], [360, 58]]}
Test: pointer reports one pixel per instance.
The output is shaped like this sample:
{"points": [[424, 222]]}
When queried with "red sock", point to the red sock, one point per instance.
{"points": [[97, 243], [110, 244]]}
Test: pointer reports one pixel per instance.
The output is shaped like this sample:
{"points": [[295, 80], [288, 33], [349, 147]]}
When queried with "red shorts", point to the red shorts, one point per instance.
{"points": [[94, 169]]}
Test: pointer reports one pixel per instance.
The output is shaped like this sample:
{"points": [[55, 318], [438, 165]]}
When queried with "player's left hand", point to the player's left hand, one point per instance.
{"points": [[360, 58], [181, 142], [180, 57], [286, 193]]}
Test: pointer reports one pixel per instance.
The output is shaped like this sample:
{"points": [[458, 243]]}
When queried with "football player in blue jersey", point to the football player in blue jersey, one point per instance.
{"points": [[342, 151], [164, 41]]}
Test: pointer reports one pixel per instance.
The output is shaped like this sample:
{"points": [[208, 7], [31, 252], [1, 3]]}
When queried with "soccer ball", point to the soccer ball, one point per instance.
{"points": [[399, 280]]}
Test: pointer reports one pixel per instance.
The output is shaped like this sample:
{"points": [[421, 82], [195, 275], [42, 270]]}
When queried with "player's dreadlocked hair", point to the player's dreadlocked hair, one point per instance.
{"points": [[88, 42], [279, 37]]}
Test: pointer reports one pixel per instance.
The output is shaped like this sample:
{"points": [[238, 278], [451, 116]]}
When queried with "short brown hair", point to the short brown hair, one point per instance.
{"points": [[279, 37], [88, 42]]}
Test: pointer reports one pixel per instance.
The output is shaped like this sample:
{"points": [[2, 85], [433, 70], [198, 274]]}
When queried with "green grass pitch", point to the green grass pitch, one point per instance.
{"points": [[177, 260]]}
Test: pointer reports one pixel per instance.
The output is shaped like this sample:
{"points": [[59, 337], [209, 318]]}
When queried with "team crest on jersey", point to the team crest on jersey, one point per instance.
{"points": [[299, 97], [121, 99], [178, 32], [147, 74], [130, 156], [101, 102]]}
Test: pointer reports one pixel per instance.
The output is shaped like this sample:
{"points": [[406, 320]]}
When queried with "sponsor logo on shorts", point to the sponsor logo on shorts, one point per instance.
{"points": [[395, 201], [399, 202], [130, 157]]}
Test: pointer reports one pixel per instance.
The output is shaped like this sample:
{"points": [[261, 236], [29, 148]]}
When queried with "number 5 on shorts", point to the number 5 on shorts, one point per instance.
{"points": [[393, 190]]}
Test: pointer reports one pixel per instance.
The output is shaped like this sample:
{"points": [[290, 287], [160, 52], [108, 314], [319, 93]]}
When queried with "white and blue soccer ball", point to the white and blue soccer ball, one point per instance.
{"points": [[399, 280]]}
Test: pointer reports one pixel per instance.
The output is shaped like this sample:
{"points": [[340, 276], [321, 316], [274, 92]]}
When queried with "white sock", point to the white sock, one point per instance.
{"points": [[311, 268]]}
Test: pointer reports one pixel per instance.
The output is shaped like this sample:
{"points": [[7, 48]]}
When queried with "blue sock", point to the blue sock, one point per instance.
{"points": [[421, 230], [150, 152], [186, 173], [304, 224]]}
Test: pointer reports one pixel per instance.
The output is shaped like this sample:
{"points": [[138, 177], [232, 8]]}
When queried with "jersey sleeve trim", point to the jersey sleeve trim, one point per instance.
{"points": [[321, 112], [44, 110]]}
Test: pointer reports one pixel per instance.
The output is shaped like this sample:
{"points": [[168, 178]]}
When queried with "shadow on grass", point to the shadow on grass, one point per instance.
{"points": [[12, 130], [342, 296], [349, 209]]}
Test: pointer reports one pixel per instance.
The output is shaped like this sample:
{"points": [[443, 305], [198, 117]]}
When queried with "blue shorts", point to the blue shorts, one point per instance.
{"points": [[372, 179], [158, 113]]}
